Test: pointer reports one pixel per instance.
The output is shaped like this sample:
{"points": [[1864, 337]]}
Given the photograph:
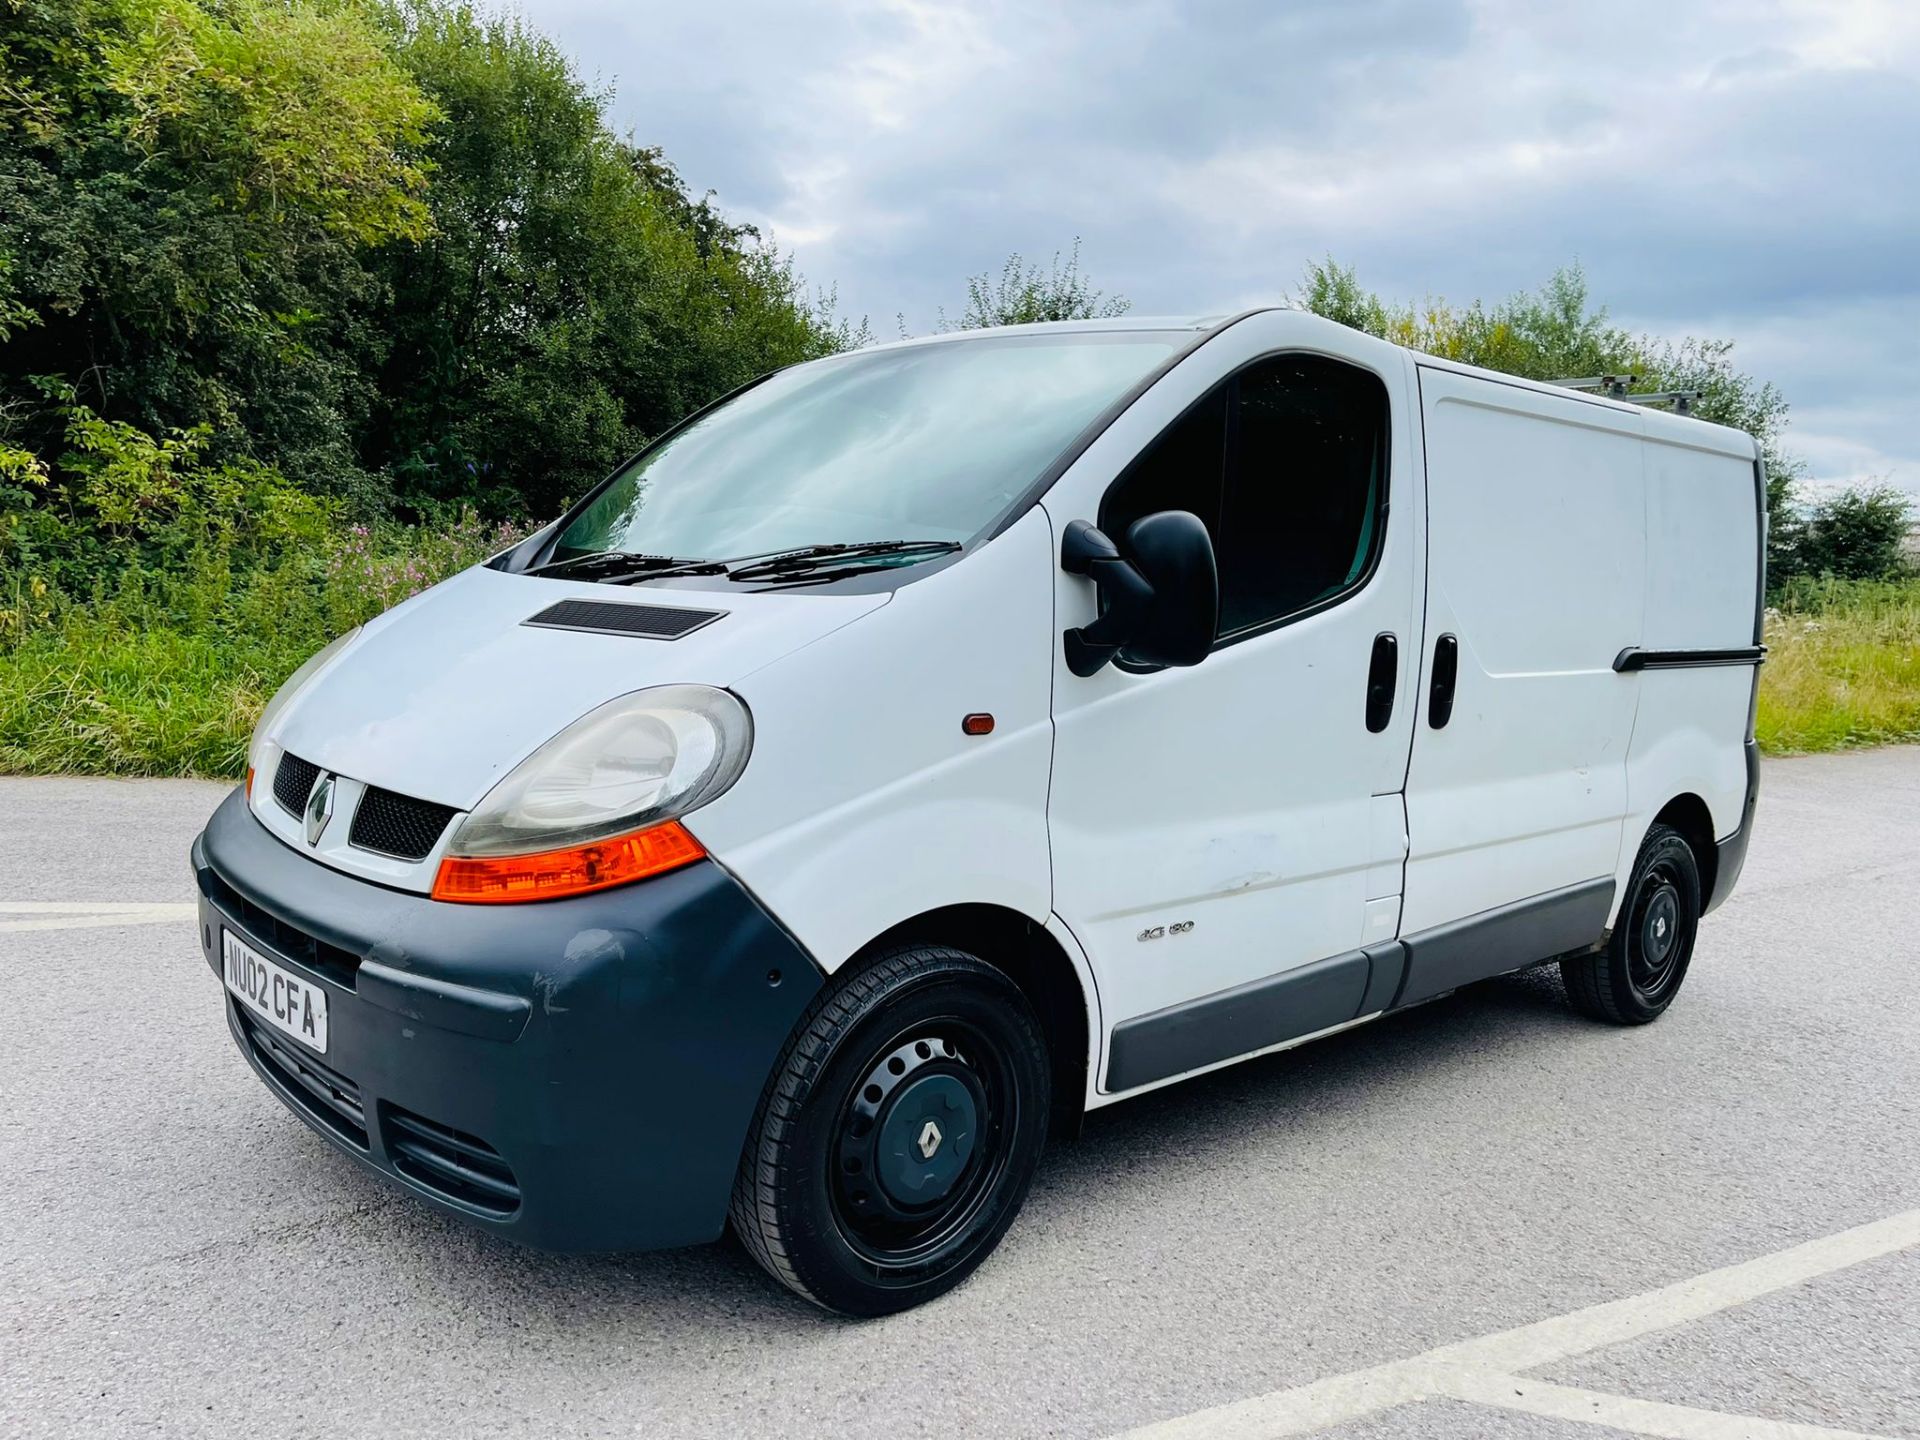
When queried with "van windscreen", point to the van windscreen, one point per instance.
{"points": [[925, 442]]}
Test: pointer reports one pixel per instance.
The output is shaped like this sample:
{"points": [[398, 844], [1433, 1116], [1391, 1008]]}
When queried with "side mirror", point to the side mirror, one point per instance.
{"points": [[1160, 600]]}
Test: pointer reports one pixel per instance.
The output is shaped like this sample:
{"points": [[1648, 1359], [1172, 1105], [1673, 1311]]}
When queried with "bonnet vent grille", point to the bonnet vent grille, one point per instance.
{"points": [[651, 622]]}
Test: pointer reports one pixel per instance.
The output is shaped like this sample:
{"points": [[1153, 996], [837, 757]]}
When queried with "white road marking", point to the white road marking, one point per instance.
{"points": [[1340, 1398], [1624, 1412], [86, 915]]}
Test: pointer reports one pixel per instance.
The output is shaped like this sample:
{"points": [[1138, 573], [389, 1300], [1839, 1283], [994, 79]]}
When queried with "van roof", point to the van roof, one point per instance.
{"points": [[1661, 425], [1122, 324]]}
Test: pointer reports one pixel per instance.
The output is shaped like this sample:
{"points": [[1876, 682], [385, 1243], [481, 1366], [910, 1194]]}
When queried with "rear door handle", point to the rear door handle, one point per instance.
{"points": [[1446, 671], [1383, 673]]}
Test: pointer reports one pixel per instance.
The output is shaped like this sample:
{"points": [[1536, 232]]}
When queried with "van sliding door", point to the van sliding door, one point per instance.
{"points": [[1536, 578]]}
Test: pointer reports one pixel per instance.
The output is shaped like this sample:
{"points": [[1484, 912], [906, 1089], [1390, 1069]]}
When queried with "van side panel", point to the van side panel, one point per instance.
{"points": [[1703, 545], [1537, 564], [1703, 581], [864, 804]]}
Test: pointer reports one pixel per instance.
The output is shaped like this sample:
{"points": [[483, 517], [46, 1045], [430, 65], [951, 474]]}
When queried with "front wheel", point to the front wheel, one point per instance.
{"points": [[1639, 972], [898, 1136]]}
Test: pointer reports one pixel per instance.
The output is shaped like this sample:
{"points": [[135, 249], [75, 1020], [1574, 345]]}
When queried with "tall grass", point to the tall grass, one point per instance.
{"points": [[163, 673], [1843, 667]]}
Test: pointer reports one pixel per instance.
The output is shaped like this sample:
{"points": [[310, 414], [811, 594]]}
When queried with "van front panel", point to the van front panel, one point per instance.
{"points": [[866, 803]]}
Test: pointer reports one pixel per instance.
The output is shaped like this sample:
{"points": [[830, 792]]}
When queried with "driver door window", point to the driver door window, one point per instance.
{"points": [[1286, 465]]}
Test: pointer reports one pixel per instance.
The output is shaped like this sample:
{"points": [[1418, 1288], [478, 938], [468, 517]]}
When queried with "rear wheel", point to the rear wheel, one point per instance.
{"points": [[1639, 972], [898, 1136]]}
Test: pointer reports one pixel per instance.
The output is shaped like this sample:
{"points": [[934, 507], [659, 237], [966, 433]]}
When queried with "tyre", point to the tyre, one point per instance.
{"points": [[1639, 972], [898, 1135]]}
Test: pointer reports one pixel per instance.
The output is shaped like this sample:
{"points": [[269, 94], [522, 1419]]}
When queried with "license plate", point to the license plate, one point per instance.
{"points": [[273, 993]]}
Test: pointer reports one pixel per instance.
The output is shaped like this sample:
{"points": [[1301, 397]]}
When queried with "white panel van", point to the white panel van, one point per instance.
{"points": [[926, 745]]}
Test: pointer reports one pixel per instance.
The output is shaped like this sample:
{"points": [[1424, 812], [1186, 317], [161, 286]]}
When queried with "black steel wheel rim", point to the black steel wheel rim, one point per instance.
{"points": [[921, 1143], [1657, 942]]}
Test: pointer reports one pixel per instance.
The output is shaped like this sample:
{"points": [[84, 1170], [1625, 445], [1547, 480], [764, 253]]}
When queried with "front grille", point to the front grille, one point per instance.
{"points": [[612, 617], [317, 1090], [459, 1166], [329, 962], [398, 825], [293, 782]]}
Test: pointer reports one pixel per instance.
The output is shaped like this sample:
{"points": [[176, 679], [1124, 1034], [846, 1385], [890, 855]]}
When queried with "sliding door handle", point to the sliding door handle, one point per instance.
{"points": [[1446, 671], [1383, 673]]}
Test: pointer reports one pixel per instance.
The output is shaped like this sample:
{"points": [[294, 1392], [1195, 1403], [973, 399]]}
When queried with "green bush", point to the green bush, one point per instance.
{"points": [[1855, 535], [1024, 294]]}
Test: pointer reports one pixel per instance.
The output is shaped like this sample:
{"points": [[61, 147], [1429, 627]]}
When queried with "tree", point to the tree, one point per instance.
{"points": [[385, 247], [572, 299], [1857, 534], [1024, 294], [185, 191]]}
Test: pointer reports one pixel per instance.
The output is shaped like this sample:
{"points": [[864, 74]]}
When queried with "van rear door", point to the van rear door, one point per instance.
{"points": [[1536, 580]]}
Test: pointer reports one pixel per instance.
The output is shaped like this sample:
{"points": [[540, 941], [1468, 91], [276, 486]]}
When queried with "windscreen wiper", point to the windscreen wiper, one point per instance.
{"points": [[847, 557], [600, 560], [620, 567]]}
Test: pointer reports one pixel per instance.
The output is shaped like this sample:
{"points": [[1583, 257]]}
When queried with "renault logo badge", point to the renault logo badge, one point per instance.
{"points": [[319, 808], [930, 1138]]}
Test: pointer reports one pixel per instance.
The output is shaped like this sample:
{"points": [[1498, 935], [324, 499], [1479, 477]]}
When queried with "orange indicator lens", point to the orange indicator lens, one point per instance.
{"points": [[551, 874]]}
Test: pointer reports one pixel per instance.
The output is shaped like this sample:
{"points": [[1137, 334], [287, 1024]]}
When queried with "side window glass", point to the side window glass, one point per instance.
{"points": [[1301, 515], [1182, 470], [1286, 465]]}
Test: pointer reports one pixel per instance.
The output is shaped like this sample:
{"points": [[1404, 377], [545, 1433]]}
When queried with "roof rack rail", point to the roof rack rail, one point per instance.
{"points": [[1614, 387]]}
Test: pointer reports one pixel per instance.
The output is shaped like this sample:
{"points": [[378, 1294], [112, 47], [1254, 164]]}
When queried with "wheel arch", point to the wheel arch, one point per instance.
{"points": [[1036, 961], [1688, 814]]}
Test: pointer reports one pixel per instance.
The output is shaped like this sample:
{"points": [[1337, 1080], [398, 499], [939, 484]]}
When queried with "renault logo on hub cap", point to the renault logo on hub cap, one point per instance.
{"points": [[319, 808], [929, 1141]]}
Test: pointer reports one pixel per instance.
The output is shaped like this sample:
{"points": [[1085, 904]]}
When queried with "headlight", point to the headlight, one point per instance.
{"points": [[257, 747], [595, 806]]}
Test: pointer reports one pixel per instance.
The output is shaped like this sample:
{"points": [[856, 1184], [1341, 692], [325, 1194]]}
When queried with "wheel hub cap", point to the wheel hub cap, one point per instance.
{"points": [[1660, 926], [925, 1139]]}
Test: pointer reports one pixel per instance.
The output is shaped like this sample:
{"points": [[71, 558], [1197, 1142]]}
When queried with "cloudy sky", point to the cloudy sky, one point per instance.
{"points": [[1745, 170]]}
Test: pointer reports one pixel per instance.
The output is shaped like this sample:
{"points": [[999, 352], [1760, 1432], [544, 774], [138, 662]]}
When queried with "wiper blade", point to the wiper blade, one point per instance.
{"points": [[619, 565], [666, 572], [598, 560], [811, 557]]}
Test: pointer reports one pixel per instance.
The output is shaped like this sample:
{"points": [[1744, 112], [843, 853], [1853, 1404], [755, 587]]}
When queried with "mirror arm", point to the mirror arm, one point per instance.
{"points": [[1086, 551]]}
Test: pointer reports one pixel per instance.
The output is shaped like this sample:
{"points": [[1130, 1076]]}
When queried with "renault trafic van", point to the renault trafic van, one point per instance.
{"points": [[923, 746]]}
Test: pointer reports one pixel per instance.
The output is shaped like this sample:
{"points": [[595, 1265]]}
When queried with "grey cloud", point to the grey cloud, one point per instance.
{"points": [[1721, 168]]}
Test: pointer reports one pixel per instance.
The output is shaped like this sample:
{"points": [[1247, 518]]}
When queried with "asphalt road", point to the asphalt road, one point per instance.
{"points": [[178, 1255]]}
